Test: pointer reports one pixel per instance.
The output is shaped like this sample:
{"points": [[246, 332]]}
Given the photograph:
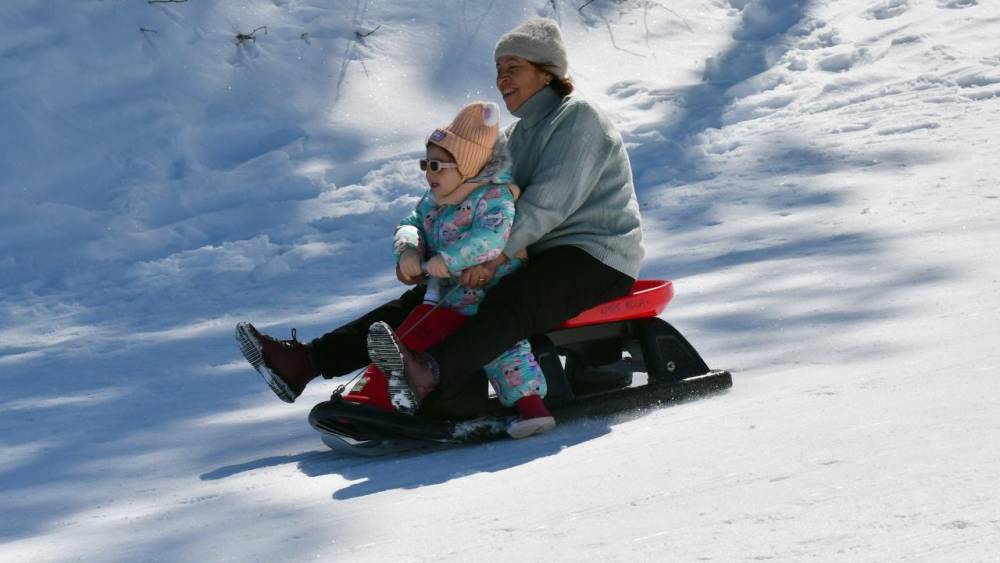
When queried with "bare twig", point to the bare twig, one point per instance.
{"points": [[147, 30], [363, 35], [589, 2], [252, 36], [614, 44]]}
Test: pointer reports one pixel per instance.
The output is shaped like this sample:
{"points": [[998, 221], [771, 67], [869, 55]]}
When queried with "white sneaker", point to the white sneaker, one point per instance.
{"points": [[531, 426]]}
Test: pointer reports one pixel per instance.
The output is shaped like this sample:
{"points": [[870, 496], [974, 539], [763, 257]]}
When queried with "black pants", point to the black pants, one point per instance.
{"points": [[553, 287], [345, 349]]}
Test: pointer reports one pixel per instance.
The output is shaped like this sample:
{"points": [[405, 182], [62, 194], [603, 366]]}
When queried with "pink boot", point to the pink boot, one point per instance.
{"points": [[535, 418]]}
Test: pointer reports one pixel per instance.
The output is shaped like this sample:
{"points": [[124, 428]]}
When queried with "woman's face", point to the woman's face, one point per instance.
{"points": [[445, 180], [518, 80]]}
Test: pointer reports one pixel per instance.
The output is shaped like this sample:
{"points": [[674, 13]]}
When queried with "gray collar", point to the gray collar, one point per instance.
{"points": [[537, 107]]}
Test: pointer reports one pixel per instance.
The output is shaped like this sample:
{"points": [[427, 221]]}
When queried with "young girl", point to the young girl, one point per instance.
{"points": [[464, 219]]}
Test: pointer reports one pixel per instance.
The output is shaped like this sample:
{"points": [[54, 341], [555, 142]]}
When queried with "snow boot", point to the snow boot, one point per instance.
{"points": [[286, 365], [404, 369], [535, 418]]}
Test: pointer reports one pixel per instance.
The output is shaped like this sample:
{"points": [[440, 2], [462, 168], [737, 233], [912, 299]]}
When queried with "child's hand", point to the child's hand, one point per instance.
{"points": [[408, 268], [438, 268]]}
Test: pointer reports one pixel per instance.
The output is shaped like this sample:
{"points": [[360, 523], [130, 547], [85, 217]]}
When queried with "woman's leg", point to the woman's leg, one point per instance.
{"points": [[345, 349], [469, 398], [553, 287]]}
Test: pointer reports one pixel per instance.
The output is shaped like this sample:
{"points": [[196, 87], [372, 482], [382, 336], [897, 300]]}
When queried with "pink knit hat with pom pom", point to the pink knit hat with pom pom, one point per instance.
{"points": [[470, 137]]}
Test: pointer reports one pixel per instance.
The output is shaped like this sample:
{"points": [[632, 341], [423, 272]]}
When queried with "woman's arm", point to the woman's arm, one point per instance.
{"points": [[569, 167]]}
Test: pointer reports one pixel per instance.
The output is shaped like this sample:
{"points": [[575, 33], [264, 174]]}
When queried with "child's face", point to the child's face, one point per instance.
{"points": [[445, 180]]}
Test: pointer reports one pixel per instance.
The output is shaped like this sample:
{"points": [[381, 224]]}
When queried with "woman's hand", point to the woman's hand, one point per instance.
{"points": [[475, 277], [408, 267], [437, 267]]}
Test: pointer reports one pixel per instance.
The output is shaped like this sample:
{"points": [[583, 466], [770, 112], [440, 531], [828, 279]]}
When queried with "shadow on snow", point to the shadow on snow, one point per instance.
{"points": [[432, 466]]}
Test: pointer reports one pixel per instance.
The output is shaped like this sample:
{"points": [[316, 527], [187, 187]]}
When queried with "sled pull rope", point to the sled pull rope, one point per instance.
{"points": [[339, 391], [428, 313]]}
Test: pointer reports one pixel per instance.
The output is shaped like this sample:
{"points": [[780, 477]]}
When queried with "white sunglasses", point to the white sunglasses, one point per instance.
{"points": [[436, 165]]}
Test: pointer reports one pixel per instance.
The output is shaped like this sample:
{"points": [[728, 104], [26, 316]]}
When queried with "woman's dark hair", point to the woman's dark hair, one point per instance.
{"points": [[561, 86]]}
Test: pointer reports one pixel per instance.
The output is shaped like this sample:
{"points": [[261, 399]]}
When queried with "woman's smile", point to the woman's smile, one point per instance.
{"points": [[518, 80]]}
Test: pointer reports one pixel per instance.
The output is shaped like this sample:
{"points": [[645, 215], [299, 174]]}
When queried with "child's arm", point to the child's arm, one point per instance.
{"points": [[410, 232], [486, 237]]}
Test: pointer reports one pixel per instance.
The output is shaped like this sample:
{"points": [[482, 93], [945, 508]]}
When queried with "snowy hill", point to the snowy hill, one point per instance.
{"points": [[818, 179]]}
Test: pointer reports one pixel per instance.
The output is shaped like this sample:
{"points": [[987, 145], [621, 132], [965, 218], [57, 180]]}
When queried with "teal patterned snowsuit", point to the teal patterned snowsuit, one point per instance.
{"points": [[470, 233]]}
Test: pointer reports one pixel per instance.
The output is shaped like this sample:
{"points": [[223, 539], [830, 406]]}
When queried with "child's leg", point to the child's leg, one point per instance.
{"points": [[424, 326], [515, 374], [519, 381]]}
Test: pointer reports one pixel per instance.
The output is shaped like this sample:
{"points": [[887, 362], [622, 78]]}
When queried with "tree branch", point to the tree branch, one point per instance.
{"points": [[363, 35], [252, 36]]}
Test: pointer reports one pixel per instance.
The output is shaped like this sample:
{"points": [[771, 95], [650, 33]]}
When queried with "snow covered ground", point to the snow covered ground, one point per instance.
{"points": [[819, 179]]}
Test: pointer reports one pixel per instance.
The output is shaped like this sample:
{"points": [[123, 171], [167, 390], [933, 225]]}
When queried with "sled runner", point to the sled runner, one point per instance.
{"points": [[593, 364]]}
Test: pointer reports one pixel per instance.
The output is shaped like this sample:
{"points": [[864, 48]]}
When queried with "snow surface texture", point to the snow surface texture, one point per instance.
{"points": [[818, 178]]}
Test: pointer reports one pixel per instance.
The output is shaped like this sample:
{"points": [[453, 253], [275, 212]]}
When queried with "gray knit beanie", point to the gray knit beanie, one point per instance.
{"points": [[537, 40]]}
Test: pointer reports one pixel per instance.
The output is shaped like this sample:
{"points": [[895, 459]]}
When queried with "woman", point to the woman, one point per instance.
{"points": [[577, 218]]}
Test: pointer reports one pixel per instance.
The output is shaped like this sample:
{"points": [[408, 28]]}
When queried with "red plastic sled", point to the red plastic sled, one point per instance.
{"points": [[588, 361], [647, 299]]}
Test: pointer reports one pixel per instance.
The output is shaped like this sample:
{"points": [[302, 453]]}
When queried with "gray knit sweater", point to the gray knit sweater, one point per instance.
{"points": [[572, 165]]}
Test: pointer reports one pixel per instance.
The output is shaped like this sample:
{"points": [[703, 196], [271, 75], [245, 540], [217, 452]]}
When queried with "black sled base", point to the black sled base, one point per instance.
{"points": [[368, 431], [589, 371]]}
